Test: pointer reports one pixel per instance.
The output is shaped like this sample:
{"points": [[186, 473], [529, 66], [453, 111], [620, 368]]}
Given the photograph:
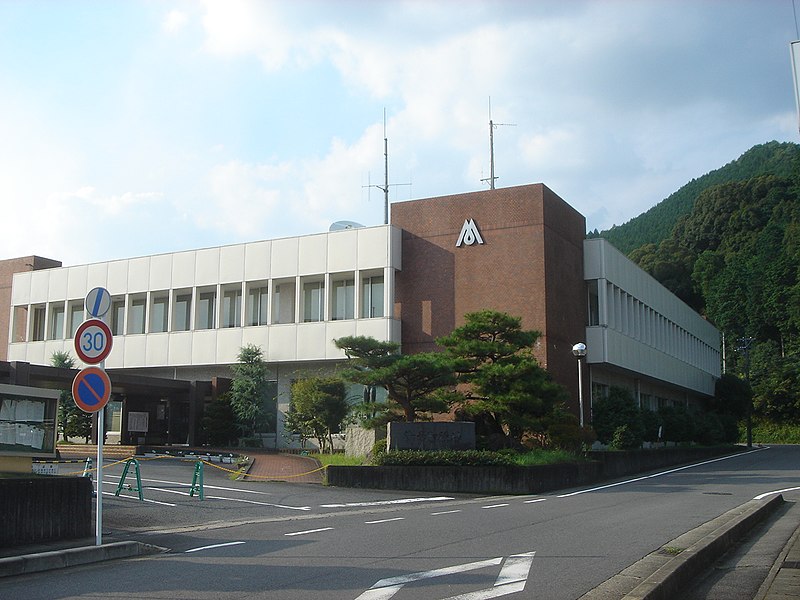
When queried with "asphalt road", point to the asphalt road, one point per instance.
{"points": [[300, 541]]}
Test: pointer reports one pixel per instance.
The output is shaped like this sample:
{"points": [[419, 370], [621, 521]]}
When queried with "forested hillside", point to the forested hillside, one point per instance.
{"points": [[656, 224], [734, 256]]}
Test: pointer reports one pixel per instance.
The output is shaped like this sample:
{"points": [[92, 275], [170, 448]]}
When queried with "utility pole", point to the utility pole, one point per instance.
{"points": [[385, 187], [492, 126], [744, 348]]}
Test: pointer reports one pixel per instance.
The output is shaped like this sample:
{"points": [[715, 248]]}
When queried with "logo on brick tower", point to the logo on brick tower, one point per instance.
{"points": [[469, 234]]}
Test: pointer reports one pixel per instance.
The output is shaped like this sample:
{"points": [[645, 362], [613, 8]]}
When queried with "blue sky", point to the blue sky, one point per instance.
{"points": [[130, 128]]}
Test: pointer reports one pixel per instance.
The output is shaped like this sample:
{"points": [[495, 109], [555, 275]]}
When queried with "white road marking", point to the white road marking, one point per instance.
{"points": [[386, 502], [659, 474], [137, 499], [385, 520], [535, 500], [512, 578], [215, 487], [765, 494], [259, 503], [213, 546], [446, 512], [495, 505], [308, 531]]}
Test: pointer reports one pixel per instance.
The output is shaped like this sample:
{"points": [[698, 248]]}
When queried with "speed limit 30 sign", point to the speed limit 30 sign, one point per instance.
{"points": [[93, 341]]}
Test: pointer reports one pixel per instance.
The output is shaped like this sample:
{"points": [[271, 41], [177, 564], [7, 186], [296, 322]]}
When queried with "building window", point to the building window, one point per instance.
{"points": [[159, 313], [75, 317], [118, 317], [182, 312], [38, 324], [20, 324], [594, 303], [136, 314], [313, 301], [206, 308], [232, 307], [283, 296], [56, 322], [372, 297], [257, 304], [343, 297]]}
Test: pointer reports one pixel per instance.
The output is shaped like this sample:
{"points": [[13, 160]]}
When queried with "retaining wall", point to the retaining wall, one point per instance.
{"points": [[601, 466], [45, 509]]}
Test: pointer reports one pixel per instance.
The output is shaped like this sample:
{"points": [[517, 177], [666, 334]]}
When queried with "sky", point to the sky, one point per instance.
{"points": [[141, 127]]}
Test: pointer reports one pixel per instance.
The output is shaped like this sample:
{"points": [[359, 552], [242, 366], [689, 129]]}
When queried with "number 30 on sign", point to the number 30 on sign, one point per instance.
{"points": [[93, 341]]}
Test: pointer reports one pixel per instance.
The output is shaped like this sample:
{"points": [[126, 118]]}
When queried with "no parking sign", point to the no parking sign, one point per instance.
{"points": [[91, 389]]}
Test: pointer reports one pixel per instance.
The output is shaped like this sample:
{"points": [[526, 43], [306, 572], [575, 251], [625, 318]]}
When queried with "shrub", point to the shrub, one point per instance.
{"points": [[625, 439], [379, 447], [618, 409], [678, 424], [442, 458], [251, 442]]}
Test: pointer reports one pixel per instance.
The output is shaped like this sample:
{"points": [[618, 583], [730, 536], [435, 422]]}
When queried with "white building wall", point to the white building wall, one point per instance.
{"points": [[644, 329], [356, 251]]}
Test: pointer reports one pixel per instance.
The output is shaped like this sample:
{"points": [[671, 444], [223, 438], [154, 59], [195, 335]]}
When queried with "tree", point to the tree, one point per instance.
{"points": [[732, 396], [72, 421], [777, 393], [318, 407], [616, 410], [494, 357], [219, 422], [248, 389], [410, 380]]}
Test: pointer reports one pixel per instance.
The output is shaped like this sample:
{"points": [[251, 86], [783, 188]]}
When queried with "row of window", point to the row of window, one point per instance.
{"points": [[601, 391], [266, 302], [628, 315]]}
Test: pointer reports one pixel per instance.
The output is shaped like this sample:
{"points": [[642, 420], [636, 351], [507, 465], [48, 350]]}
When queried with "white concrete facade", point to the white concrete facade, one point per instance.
{"points": [[187, 314], [292, 297], [642, 336]]}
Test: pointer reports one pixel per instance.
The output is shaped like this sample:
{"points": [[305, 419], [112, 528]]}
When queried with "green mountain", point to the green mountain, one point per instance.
{"points": [[728, 244], [656, 225]]}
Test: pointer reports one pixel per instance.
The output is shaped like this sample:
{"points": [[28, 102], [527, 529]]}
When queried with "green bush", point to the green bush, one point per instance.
{"points": [[678, 424], [442, 458], [251, 442], [610, 413], [379, 447], [625, 439], [767, 432], [708, 429]]}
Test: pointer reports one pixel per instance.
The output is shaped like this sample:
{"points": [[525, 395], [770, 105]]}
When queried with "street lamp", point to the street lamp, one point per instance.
{"points": [[579, 352]]}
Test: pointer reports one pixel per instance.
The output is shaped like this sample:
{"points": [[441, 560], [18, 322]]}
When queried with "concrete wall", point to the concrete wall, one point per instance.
{"points": [[45, 509], [516, 480]]}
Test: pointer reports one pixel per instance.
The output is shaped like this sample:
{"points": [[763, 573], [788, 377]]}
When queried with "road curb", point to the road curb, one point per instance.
{"points": [[663, 573], [667, 581], [70, 557]]}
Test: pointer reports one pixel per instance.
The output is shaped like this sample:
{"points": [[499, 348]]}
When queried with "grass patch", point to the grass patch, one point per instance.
{"points": [[544, 457], [338, 460]]}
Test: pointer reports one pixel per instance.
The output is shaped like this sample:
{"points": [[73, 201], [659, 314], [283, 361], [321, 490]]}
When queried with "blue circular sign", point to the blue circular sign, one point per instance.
{"points": [[91, 389]]}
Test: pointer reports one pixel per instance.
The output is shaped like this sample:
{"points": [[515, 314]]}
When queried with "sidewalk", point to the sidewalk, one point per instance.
{"points": [[783, 581], [278, 466]]}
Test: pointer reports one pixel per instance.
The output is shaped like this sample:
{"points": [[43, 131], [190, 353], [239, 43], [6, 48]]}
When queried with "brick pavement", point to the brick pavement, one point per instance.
{"points": [[279, 466]]}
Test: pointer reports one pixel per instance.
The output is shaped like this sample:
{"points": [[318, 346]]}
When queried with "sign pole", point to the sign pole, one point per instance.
{"points": [[101, 418]]}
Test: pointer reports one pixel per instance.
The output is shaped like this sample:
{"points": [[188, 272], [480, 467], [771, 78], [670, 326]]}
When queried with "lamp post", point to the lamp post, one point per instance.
{"points": [[579, 352]]}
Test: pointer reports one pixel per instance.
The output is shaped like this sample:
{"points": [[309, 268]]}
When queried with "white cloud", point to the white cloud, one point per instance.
{"points": [[174, 21]]}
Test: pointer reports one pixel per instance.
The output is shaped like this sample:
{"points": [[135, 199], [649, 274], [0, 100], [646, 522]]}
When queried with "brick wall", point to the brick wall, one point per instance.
{"points": [[7, 270], [530, 265]]}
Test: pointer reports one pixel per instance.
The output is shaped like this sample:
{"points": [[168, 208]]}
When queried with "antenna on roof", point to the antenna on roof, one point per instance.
{"points": [[492, 126], [385, 187]]}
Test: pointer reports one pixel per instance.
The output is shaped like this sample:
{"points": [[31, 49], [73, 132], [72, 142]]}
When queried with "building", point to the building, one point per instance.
{"points": [[184, 316]]}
